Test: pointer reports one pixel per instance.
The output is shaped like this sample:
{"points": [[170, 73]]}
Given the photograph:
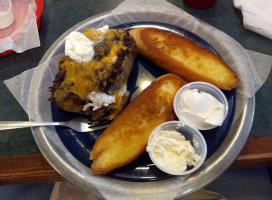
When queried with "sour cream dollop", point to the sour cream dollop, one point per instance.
{"points": [[200, 108], [99, 99], [78, 47], [104, 29]]}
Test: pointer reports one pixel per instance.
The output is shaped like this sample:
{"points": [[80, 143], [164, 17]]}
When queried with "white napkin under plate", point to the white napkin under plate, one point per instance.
{"points": [[257, 15]]}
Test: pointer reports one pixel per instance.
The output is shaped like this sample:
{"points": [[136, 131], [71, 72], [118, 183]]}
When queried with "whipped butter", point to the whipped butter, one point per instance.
{"points": [[172, 151], [200, 108]]}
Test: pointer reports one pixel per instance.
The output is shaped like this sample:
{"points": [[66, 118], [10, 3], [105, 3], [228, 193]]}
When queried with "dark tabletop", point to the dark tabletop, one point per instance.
{"points": [[59, 16]]}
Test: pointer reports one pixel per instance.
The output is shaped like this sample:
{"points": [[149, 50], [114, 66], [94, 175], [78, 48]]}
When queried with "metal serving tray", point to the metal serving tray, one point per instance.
{"points": [[214, 166]]}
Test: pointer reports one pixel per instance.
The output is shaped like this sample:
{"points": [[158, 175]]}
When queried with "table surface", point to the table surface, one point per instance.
{"points": [[20, 158]]}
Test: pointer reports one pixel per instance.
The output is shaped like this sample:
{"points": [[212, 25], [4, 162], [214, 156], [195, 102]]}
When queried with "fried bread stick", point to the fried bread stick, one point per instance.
{"points": [[183, 57], [126, 137]]}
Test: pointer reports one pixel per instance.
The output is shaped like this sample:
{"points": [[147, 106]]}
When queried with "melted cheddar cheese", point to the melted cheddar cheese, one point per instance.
{"points": [[83, 78]]}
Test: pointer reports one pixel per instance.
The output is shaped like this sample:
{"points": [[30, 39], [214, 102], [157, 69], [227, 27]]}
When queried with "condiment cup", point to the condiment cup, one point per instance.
{"points": [[191, 134], [205, 87], [6, 14]]}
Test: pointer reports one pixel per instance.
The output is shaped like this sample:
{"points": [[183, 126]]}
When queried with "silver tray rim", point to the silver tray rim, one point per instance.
{"points": [[213, 167]]}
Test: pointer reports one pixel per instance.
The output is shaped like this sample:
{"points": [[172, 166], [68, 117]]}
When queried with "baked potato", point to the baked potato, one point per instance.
{"points": [[96, 88]]}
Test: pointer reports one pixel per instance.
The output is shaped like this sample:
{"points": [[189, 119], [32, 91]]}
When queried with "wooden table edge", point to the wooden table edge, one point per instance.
{"points": [[34, 168]]}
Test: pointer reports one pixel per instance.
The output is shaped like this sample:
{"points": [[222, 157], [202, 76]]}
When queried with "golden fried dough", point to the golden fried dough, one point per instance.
{"points": [[182, 56], [126, 137]]}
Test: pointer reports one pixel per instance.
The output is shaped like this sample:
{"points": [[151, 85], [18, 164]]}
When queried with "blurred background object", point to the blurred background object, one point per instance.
{"points": [[6, 13], [200, 4]]}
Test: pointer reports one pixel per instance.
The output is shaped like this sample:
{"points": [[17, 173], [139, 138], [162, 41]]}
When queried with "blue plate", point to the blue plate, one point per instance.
{"points": [[142, 169]]}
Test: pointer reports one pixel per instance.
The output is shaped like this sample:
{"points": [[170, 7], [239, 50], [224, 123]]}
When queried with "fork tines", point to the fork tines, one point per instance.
{"points": [[94, 124]]}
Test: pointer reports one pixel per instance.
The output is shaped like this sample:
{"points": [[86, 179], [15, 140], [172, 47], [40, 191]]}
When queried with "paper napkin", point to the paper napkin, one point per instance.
{"points": [[257, 15]]}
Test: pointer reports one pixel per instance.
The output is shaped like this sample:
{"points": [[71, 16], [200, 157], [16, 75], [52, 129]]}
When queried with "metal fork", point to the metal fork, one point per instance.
{"points": [[77, 124]]}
